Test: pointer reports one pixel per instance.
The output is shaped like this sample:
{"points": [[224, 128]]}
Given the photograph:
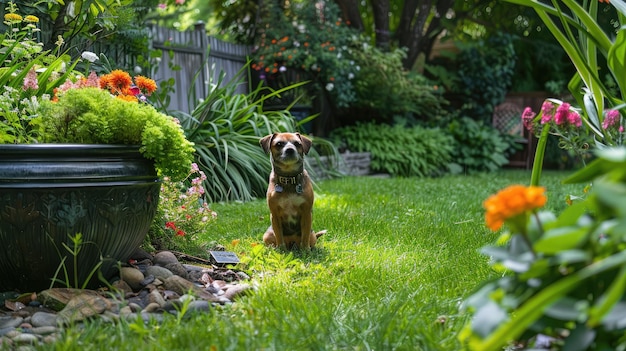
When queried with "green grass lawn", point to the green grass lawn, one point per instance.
{"points": [[398, 259]]}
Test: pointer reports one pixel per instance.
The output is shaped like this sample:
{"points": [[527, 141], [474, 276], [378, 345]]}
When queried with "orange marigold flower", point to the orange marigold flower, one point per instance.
{"points": [[129, 98], [118, 80], [512, 201], [146, 85]]}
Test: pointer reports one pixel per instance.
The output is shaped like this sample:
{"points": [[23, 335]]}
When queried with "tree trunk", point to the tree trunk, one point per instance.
{"points": [[381, 22], [351, 14]]}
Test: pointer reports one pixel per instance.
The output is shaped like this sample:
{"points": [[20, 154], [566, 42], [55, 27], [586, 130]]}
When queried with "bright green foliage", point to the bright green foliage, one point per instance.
{"points": [[94, 116], [383, 87], [569, 283], [485, 70], [399, 150], [478, 147]]}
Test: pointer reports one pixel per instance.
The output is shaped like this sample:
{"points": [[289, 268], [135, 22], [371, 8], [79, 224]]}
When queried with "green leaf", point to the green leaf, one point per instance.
{"points": [[617, 58], [559, 239], [533, 308]]}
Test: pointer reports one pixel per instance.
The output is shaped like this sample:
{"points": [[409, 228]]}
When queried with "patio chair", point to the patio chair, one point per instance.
{"points": [[507, 118]]}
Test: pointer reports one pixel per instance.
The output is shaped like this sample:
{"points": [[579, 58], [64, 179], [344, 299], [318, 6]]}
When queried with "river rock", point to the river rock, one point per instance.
{"points": [[133, 277]]}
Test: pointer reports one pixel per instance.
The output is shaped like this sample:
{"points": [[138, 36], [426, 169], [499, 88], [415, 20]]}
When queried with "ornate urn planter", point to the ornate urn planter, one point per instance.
{"points": [[51, 192]]}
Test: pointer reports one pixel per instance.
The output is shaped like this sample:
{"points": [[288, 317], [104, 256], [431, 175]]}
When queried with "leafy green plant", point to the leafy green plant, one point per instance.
{"points": [[225, 128], [385, 90], [27, 72], [478, 147], [399, 150], [92, 115], [596, 54], [292, 37], [563, 276], [74, 251], [183, 213]]}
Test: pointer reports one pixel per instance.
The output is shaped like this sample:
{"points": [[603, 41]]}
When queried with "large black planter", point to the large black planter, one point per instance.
{"points": [[50, 192]]}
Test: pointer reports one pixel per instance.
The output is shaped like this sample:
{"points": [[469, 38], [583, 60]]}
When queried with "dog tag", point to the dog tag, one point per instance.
{"points": [[278, 188], [299, 188], [224, 257]]}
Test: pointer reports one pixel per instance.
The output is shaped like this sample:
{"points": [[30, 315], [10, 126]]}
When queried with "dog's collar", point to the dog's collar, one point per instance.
{"points": [[282, 181]]}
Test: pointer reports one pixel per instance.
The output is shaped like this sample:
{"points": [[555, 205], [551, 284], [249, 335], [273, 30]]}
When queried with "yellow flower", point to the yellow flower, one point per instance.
{"points": [[31, 19], [12, 17], [511, 202]]}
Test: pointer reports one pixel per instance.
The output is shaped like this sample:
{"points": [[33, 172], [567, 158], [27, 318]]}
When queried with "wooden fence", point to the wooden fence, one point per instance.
{"points": [[195, 61]]}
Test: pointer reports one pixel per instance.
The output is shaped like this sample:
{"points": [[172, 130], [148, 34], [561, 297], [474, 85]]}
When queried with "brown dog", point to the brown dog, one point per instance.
{"points": [[289, 193]]}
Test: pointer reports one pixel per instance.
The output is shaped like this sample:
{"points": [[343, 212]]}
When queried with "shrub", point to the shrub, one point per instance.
{"points": [[383, 88], [398, 150], [478, 147]]}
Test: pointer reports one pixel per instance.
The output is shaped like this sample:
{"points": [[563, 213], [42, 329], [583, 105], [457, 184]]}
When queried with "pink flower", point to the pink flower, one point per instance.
{"points": [[574, 119], [180, 2], [30, 81], [194, 167], [611, 119], [92, 80], [162, 6], [527, 118], [562, 112], [547, 109]]}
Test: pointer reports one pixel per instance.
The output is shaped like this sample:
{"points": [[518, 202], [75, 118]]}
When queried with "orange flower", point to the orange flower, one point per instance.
{"points": [[511, 202], [116, 81], [125, 97], [146, 85]]}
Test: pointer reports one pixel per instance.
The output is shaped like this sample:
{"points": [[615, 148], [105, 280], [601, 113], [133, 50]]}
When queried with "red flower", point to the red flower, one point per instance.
{"points": [[170, 225]]}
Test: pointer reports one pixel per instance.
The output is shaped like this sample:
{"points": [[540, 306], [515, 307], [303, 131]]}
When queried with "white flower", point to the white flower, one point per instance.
{"points": [[350, 75], [137, 69], [330, 86], [282, 69], [89, 56]]}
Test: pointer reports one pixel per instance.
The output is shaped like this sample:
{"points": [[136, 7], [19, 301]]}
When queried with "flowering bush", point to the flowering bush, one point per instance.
{"points": [[309, 37], [45, 100], [593, 51], [27, 73], [562, 120], [561, 278], [183, 213]]}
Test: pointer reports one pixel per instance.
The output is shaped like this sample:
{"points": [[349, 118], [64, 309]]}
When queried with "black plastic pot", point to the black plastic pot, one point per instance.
{"points": [[51, 192]]}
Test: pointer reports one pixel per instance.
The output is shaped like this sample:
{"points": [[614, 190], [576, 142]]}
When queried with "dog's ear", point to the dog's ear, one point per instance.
{"points": [[266, 142], [306, 143]]}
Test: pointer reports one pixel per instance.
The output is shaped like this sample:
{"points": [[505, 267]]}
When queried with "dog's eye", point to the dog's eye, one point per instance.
{"points": [[280, 143], [297, 143]]}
